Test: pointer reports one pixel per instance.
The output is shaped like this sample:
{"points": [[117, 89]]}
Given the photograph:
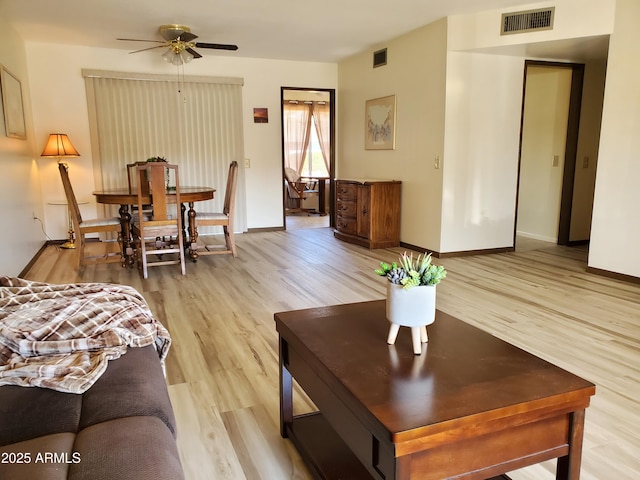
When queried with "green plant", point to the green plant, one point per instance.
{"points": [[156, 159], [410, 272]]}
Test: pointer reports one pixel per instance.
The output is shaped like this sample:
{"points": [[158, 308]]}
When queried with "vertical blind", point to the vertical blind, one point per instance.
{"points": [[194, 122]]}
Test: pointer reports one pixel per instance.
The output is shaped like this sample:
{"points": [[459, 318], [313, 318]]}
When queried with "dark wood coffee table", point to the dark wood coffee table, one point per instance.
{"points": [[471, 406]]}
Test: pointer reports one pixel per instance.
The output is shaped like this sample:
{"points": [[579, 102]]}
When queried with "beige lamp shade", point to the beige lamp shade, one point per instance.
{"points": [[59, 145]]}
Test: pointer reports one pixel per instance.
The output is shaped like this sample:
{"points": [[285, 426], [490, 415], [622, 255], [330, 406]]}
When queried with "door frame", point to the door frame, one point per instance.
{"points": [[571, 145], [332, 148]]}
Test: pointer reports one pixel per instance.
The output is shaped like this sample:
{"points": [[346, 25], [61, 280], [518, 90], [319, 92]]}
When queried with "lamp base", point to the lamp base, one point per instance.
{"points": [[68, 245]]}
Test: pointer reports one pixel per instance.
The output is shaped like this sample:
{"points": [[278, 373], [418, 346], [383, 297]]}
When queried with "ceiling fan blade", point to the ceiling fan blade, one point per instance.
{"points": [[149, 48], [193, 52], [188, 36], [217, 46], [139, 40]]}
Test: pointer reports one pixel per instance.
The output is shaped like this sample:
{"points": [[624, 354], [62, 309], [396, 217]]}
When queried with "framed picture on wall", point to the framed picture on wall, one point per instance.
{"points": [[380, 123], [12, 104]]}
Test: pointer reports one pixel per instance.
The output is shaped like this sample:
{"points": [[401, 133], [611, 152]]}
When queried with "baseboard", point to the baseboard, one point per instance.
{"points": [[577, 243], [615, 275], [265, 229], [535, 236], [462, 253], [37, 256]]}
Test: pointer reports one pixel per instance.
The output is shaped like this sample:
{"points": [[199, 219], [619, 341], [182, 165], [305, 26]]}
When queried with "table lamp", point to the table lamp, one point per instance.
{"points": [[59, 146]]}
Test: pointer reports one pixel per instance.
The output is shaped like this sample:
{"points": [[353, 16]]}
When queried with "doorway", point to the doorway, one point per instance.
{"points": [[308, 152], [548, 149]]}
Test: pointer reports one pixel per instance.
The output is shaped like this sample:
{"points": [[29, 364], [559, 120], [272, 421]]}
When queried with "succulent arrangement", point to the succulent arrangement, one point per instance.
{"points": [[410, 272]]}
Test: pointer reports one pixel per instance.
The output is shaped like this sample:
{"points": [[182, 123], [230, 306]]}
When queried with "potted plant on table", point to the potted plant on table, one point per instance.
{"points": [[411, 295]]}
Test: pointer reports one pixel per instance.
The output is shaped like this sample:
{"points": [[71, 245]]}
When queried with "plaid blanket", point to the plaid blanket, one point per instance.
{"points": [[62, 336]]}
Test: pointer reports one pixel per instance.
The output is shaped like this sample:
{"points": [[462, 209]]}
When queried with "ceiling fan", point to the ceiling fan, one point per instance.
{"points": [[180, 45]]}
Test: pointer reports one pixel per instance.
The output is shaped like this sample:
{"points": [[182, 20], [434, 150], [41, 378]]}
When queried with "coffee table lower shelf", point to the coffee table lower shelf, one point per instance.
{"points": [[325, 453]]}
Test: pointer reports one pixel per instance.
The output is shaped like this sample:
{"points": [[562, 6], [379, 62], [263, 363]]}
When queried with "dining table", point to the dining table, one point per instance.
{"points": [[125, 197]]}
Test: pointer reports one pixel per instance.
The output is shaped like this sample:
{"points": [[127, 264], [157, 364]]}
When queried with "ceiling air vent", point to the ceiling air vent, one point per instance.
{"points": [[527, 21], [380, 58]]}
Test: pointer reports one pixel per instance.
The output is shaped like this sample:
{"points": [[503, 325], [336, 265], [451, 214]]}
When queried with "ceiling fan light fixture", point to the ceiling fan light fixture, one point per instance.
{"points": [[185, 56], [168, 55]]}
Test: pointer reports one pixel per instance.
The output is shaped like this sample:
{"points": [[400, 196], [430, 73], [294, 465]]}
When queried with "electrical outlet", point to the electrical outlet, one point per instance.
{"points": [[556, 160], [247, 163], [585, 162], [33, 216]]}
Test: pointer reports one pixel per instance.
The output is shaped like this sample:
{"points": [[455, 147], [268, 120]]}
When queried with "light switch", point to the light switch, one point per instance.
{"points": [[436, 163], [585, 162], [247, 163], [556, 160]]}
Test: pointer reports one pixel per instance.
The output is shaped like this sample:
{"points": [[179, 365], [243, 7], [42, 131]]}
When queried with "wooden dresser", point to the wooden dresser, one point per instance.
{"points": [[368, 212]]}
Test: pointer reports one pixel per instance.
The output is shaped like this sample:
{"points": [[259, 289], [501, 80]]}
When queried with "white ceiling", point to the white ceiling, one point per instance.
{"points": [[318, 31]]}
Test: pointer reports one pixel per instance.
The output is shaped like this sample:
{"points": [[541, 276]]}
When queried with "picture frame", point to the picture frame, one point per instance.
{"points": [[380, 123], [12, 105], [260, 115]]}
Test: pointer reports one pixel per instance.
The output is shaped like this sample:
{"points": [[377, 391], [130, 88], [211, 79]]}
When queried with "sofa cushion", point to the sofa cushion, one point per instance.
{"points": [[47, 457], [133, 385], [134, 448], [29, 412]]}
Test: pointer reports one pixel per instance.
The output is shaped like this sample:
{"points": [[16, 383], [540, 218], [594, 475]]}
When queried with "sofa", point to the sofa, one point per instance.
{"points": [[121, 427]]}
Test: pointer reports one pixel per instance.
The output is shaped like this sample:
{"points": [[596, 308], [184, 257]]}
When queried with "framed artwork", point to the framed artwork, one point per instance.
{"points": [[12, 105], [260, 115], [380, 123]]}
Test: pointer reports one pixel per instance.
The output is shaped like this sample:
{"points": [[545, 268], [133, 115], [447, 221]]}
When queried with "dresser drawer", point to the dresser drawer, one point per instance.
{"points": [[346, 209], [346, 192], [346, 224]]}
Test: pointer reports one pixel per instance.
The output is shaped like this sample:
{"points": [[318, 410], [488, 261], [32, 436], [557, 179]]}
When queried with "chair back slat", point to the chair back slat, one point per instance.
{"points": [[72, 203], [230, 192], [134, 181], [154, 174]]}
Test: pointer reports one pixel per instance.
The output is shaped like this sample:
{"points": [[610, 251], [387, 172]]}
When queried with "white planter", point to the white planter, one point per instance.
{"points": [[413, 307]]}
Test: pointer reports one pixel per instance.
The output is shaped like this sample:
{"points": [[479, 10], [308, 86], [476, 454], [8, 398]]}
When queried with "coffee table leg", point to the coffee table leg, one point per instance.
{"points": [[569, 466], [286, 392]]}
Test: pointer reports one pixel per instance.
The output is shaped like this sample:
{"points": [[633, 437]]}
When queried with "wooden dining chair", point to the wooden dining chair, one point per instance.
{"points": [[149, 230], [83, 227], [223, 219]]}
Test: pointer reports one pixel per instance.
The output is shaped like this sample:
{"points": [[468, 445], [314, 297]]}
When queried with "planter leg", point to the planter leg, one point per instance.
{"points": [[424, 338], [415, 338], [393, 333]]}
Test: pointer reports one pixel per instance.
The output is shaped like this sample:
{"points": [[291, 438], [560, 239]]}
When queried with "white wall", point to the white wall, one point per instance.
{"points": [[59, 101], [415, 73], [615, 229], [480, 163], [19, 182], [572, 19], [484, 98], [469, 202]]}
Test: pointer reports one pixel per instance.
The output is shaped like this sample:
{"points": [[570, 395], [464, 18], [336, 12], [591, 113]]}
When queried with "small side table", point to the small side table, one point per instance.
{"points": [[71, 242]]}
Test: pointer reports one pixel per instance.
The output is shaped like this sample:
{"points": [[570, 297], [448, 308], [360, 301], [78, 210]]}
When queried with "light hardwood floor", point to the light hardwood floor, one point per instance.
{"points": [[223, 365]]}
